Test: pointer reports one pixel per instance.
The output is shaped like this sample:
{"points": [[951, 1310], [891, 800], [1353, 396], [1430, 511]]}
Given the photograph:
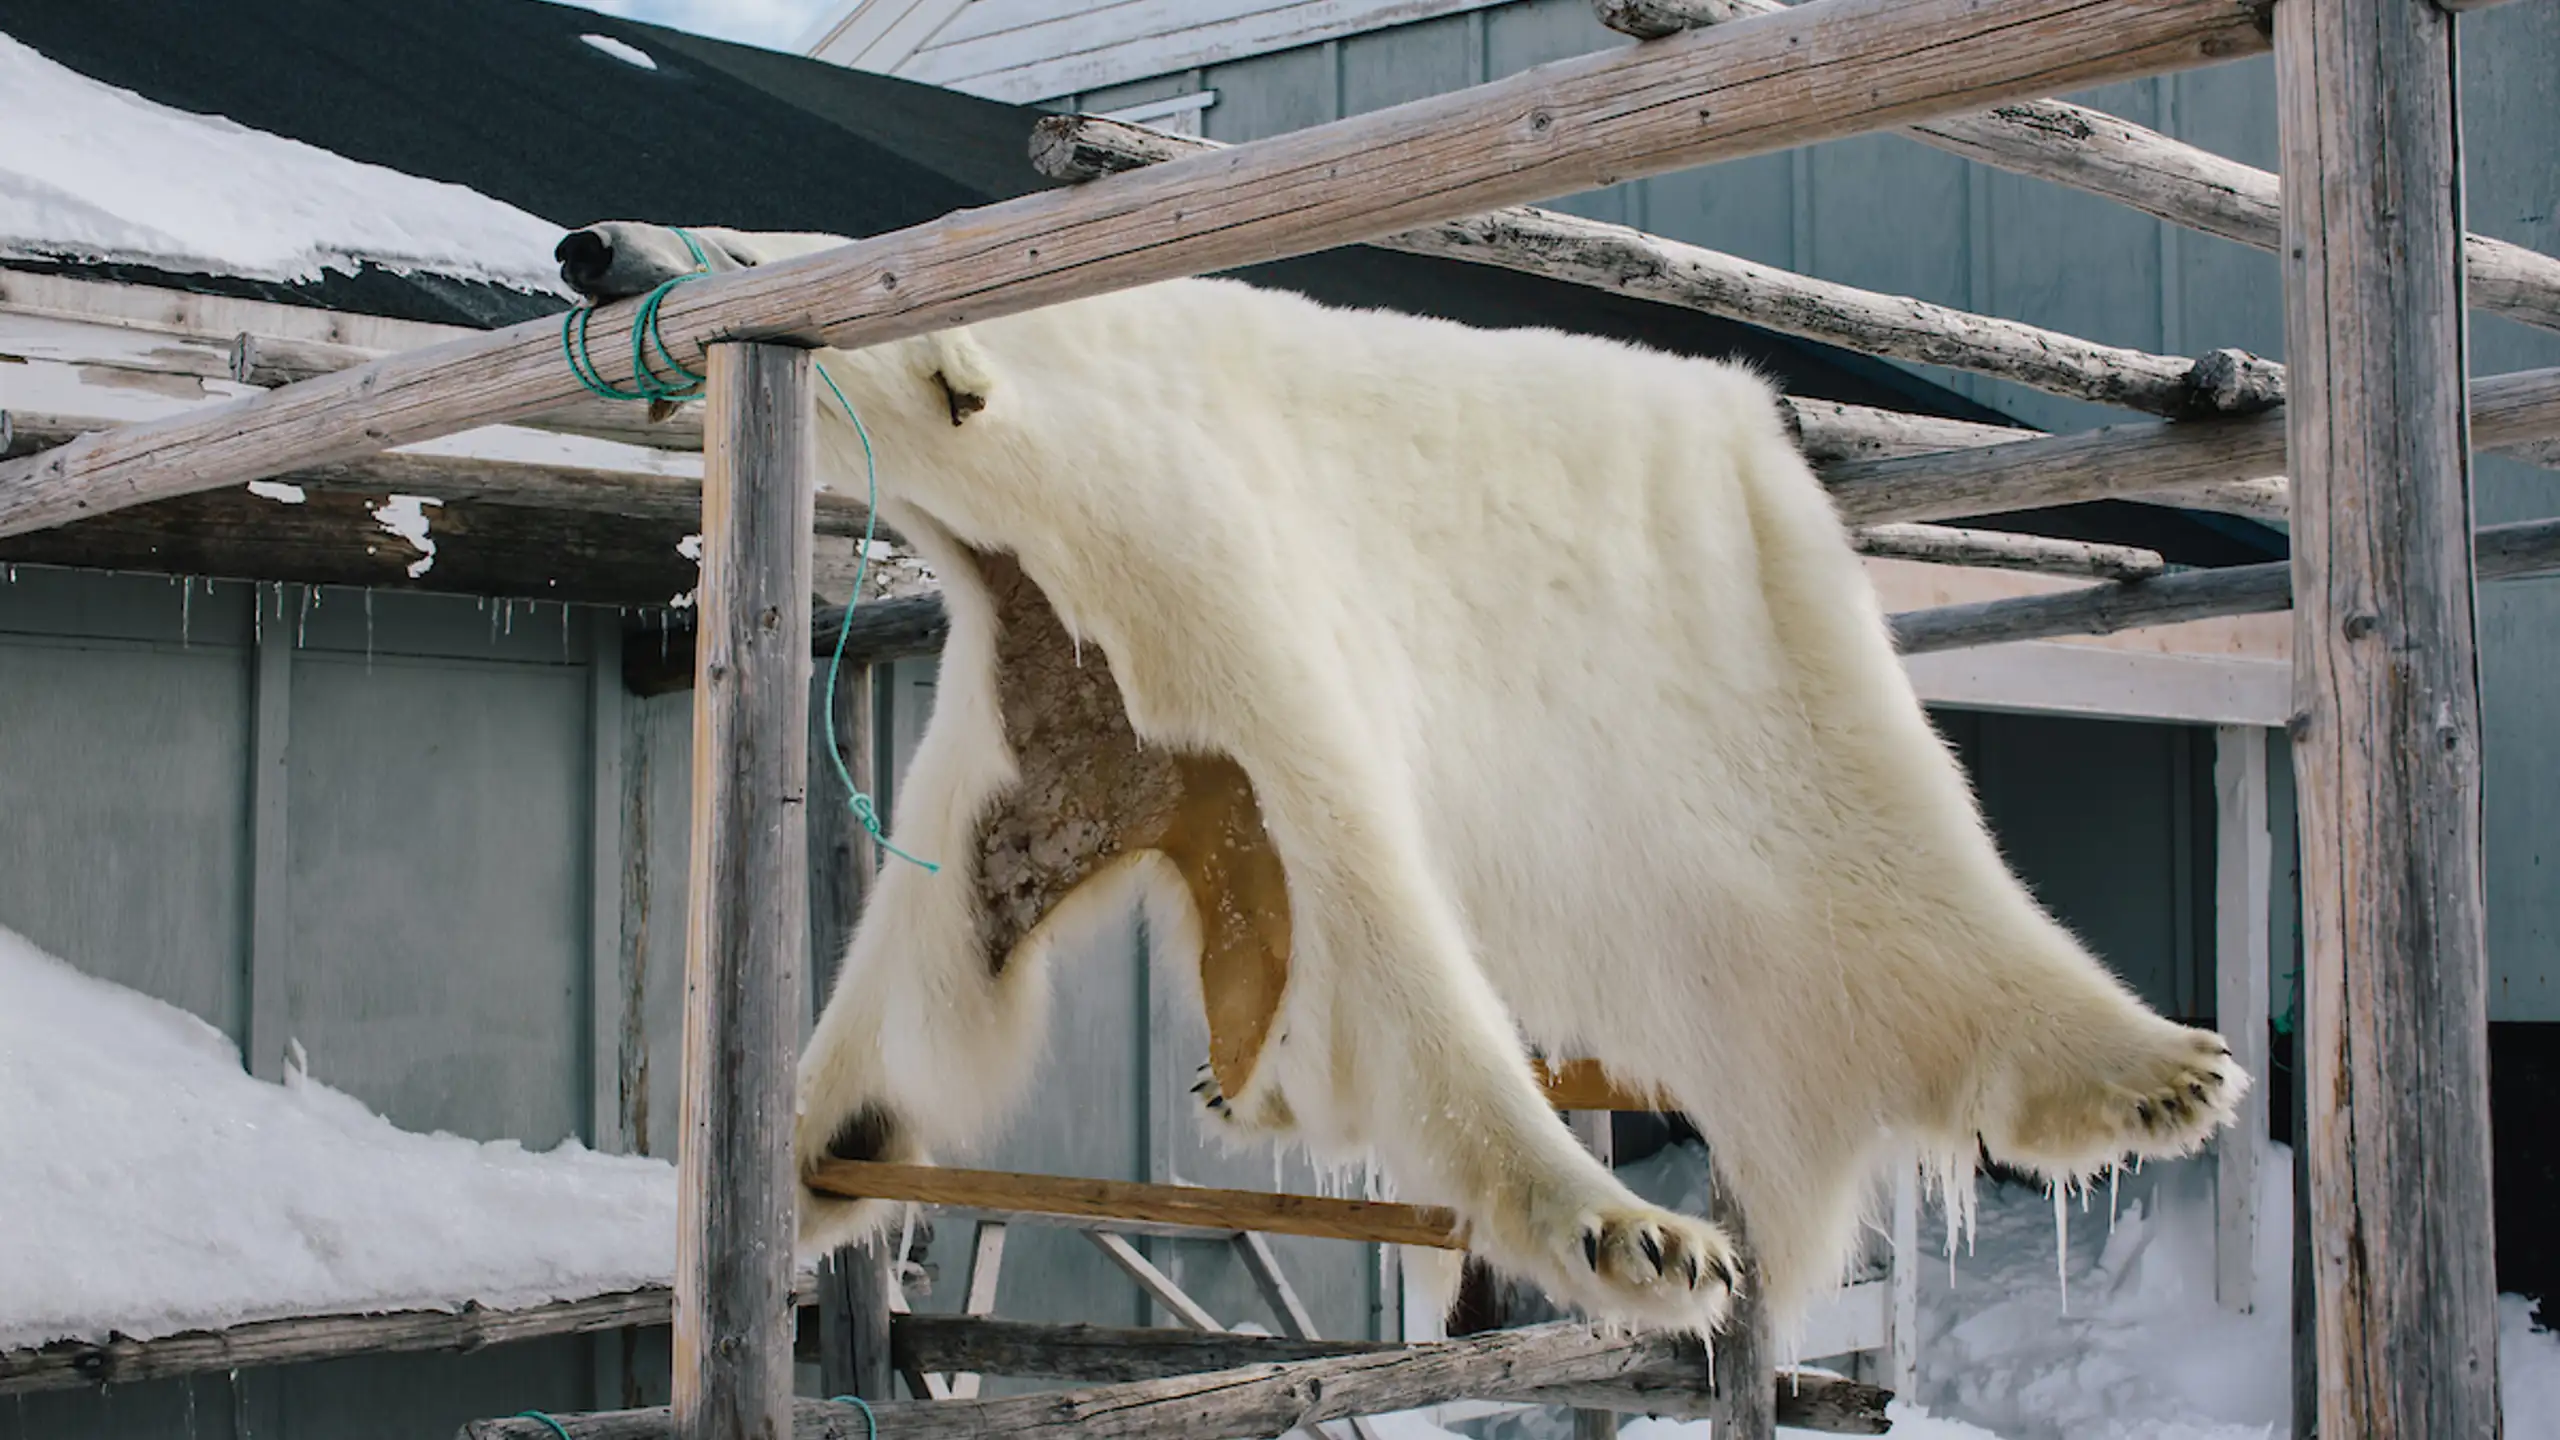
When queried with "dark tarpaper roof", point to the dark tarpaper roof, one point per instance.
{"points": [[503, 97]]}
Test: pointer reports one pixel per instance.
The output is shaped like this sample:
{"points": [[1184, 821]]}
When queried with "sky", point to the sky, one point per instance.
{"points": [[773, 24]]}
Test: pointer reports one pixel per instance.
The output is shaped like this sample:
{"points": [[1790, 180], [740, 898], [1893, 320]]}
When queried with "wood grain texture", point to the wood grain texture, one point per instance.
{"points": [[747, 900], [1563, 1359], [1625, 261], [2394, 1039], [268, 361], [2141, 457], [2519, 551], [1840, 68], [1670, 1377], [1999, 550], [2142, 169], [2243, 851], [1746, 1348], [1220, 1210]]}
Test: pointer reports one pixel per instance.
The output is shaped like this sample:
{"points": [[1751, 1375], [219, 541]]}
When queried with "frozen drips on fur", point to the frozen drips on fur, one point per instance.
{"points": [[1953, 1170], [2062, 1241]]}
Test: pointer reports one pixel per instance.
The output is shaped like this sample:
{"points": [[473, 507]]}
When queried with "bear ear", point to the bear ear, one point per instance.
{"points": [[961, 369]]}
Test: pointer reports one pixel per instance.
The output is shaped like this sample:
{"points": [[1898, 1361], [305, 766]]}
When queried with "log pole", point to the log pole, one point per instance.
{"points": [[2386, 725], [747, 900]]}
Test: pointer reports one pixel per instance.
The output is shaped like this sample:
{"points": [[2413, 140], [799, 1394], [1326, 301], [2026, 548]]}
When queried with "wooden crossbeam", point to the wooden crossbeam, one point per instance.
{"points": [[1620, 260], [2142, 169], [1832, 69], [1567, 1359], [2519, 551], [1195, 1208]]}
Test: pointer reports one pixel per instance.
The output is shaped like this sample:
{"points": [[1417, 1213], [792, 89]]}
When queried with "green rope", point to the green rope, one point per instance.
{"points": [[869, 1419], [563, 1431], [648, 385]]}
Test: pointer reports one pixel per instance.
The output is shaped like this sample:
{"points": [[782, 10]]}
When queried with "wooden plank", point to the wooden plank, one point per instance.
{"points": [[270, 811], [1746, 1349], [1621, 260], [635, 494], [2048, 677], [2394, 1040], [2242, 859], [2143, 457], [1838, 68], [747, 899], [1582, 1085], [1999, 550], [2090, 150], [268, 361], [1905, 1374], [1567, 1358], [854, 1288], [605, 859], [77, 1365], [1159, 1286], [986, 1269], [2506, 552], [1224, 1211], [1670, 1379]]}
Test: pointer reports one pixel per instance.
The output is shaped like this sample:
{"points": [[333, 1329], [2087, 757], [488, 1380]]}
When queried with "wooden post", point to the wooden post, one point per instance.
{"points": [[748, 911], [2387, 742], [1745, 1350], [1594, 1128], [2242, 857]]}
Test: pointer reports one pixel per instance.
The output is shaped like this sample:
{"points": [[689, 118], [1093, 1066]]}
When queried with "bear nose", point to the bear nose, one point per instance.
{"points": [[584, 256]]}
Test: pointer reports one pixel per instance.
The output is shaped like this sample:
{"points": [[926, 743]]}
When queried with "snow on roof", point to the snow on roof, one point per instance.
{"points": [[151, 1186], [95, 173]]}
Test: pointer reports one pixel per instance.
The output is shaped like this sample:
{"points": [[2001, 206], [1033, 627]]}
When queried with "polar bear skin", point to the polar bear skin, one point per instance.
{"points": [[1574, 718]]}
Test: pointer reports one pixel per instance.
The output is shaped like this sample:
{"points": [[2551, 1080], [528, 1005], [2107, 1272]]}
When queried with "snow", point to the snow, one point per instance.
{"points": [[406, 517], [281, 492], [2142, 1352], [153, 1187], [93, 172], [627, 54]]}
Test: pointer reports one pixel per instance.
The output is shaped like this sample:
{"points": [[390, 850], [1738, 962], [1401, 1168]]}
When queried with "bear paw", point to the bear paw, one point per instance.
{"points": [[1621, 1259], [1263, 1115], [2163, 1102]]}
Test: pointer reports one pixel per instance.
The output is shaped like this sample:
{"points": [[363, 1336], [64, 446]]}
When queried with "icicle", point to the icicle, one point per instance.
{"points": [[368, 630], [2062, 1245], [186, 610], [2113, 1172], [510, 607], [564, 629], [302, 617]]}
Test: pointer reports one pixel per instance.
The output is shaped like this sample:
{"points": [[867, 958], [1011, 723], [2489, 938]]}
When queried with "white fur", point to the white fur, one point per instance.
{"points": [[1572, 715]]}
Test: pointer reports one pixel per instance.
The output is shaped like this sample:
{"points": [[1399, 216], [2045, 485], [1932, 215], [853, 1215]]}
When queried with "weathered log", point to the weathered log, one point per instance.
{"points": [[2386, 734], [639, 494], [1672, 1378], [1999, 550], [1841, 68], [2142, 169], [2519, 551], [1251, 1400], [1187, 1205], [1624, 261], [268, 361], [747, 898], [2145, 456]]}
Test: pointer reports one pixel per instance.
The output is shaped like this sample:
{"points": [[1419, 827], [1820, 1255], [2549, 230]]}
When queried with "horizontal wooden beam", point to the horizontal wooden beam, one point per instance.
{"points": [[1583, 1085], [634, 494], [1262, 1399], [1830, 69], [2142, 457], [1672, 1377], [81, 1364], [2000, 550], [269, 361], [1624, 261], [2505, 552], [1066, 1195], [2091, 150]]}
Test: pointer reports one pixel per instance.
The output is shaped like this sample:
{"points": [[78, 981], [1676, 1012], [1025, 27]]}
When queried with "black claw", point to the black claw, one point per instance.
{"points": [[1591, 1248], [2142, 1108], [1724, 1272], [1219, 1104], [2196, 1088], [1694, 1272], [1652, 1249]]}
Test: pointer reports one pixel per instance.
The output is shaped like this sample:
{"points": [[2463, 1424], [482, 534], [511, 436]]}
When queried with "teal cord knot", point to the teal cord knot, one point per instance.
{"points": [[647, 384], [563, 1431]]}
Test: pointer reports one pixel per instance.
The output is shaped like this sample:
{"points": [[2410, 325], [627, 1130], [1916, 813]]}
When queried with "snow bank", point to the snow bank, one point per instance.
{"points": [[92, 172], [148, 1185]]}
